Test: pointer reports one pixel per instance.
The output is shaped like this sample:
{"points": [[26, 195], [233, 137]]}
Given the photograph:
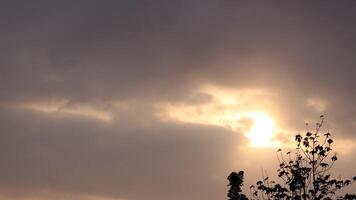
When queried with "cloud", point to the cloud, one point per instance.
{"points": [[228, 108], [166, 78], [65, 107], [47, 194], [71, 155], [318, 104]]}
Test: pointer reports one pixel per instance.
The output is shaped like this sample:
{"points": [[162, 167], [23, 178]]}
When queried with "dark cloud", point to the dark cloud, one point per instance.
{"points": [[101, 52], [164, 161]]}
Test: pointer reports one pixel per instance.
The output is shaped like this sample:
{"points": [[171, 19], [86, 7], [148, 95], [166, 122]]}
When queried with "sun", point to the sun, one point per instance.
{"points": [[261, 133], [230, 109]]}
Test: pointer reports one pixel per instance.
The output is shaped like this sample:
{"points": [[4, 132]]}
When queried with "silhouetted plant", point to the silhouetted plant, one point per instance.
{"points": [[235, 183], [304, 174]]}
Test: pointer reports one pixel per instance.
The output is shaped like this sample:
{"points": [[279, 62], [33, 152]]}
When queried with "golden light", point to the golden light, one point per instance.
{"points": [[229, 108], [261, 133]]}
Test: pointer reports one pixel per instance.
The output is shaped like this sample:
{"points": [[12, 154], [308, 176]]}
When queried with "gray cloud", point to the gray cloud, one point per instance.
{"points": [[72, 155], [97, 53]]}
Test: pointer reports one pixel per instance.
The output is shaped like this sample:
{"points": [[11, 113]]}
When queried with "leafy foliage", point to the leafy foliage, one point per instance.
{"points": [[304, 174], [235, 183]]}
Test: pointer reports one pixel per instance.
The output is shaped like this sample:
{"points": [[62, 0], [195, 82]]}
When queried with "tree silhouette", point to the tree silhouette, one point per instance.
{"points": [[235, 183], [304, 174]]}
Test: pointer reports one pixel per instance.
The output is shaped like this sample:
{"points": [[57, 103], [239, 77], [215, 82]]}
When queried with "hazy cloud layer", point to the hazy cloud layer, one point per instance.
{"points": [[84, 86]]}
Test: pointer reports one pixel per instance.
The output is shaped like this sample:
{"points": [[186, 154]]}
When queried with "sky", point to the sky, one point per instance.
{"points": [[133, 100]]}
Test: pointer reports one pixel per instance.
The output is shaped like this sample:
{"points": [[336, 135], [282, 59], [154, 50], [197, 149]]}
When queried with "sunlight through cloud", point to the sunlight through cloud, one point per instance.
{"points": [[237, 110]]}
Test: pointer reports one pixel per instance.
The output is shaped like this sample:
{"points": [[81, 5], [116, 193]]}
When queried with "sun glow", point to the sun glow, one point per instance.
{"points": [[241, 111], [261, 133]]}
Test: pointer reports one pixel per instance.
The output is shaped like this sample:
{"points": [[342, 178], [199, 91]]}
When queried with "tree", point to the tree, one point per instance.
{"points": [[304, 174], [235, 183]]}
